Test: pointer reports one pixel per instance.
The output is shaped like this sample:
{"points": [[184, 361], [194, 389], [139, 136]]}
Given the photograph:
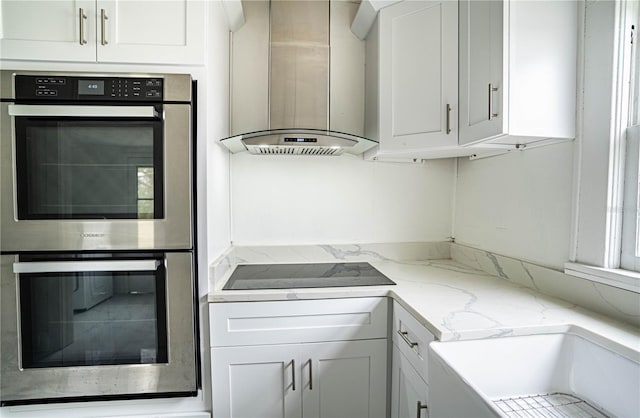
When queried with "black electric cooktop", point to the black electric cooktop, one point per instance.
{"points": [[308, 275]]}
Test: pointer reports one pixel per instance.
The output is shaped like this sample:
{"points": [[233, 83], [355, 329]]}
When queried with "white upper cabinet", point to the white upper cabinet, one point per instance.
{"points": [[48, 30], [166, 31], [481, 43], [417, 75], [468, 78], [517, 71], [124, 31]]}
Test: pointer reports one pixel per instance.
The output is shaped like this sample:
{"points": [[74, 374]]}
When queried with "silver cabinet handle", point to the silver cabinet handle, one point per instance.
{"points": [[83, 111], [448, 119], [84, 266], [404, 335], [82, 17], [492, 89], [293, 374], [420, 408], [103, 18], [310, 374]]}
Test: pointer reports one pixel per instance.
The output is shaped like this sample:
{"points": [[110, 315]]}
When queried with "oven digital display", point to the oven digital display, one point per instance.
{"points": [[90, 87]]}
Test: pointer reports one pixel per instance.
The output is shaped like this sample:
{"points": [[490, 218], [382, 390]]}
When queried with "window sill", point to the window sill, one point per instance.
{"points": [[623, 279]]}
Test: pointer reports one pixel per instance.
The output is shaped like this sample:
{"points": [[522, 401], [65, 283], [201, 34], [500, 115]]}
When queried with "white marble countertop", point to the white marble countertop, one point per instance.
{"points": [[453, 301]]}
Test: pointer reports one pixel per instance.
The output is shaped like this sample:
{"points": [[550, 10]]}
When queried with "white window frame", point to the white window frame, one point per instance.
{"points": [[601, 146]]}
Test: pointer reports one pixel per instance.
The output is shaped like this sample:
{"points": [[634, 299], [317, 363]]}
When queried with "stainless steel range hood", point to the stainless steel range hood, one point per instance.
{"points": [[297, 80]]}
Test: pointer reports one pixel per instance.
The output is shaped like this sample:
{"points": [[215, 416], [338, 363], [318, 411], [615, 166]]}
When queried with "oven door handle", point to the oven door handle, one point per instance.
{"points": [[83, 111], [85, 266]]}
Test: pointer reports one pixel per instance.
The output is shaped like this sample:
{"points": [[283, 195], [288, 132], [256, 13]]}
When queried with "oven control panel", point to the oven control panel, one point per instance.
{"points": [[89, 89]]}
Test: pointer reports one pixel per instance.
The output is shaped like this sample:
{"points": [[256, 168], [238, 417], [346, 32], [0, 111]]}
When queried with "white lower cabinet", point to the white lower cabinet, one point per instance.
{"points": [[409, 367], [335, 379], [409, 397], [271, 376], [254, 381]]}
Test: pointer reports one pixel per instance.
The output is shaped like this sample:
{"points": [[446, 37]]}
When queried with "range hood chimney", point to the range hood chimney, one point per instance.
{"points": [[297, 80]]}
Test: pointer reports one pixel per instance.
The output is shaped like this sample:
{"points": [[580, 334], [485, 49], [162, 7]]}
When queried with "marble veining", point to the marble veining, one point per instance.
{"points": [[608, 300], [457, 294]]}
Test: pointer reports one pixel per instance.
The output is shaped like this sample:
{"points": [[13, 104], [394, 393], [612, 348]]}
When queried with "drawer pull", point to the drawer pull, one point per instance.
{"points": [[420, 408], [404, 335]]}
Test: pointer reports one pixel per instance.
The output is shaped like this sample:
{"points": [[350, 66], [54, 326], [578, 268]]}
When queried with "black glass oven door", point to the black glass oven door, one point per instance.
{"points": [[90, 310], [89, 166]]}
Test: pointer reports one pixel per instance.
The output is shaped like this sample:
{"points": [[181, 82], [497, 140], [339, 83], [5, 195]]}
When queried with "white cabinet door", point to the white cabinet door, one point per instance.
{"points": [[481, 60], [530, 68], [314, 380], [255, 382], [418, 58], [344, 379], [167, 31], [48, 30], [123, 31], [408, 391]]}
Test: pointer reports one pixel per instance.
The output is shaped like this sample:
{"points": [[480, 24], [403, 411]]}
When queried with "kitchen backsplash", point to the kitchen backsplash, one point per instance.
{"points": [[607, 300], [303, 200]]}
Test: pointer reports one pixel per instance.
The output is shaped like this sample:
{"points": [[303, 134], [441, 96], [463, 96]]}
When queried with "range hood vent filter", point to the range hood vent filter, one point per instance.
{"points": [[285, 150]]}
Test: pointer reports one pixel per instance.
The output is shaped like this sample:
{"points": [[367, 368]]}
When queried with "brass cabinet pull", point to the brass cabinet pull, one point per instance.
{"points": [[420, 408], [492, 89], [405, 337], [82, 17], [103, 18]]}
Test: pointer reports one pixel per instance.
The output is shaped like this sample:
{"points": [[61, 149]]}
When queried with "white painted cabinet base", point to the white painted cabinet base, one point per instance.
{"points": [[314, 380], [305, 358], [409, 367], [408, 388]]}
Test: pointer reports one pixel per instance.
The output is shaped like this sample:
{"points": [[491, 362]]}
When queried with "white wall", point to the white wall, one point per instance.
{"points": [[518, 204], [213, 160], [334, 200]]}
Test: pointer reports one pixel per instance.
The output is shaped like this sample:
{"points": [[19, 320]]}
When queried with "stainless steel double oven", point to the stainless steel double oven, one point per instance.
{"points": [[97, 266]]}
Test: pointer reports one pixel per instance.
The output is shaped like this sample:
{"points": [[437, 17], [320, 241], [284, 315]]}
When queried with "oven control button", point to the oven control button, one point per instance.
{"points": [[46, 92], [51, 80]]}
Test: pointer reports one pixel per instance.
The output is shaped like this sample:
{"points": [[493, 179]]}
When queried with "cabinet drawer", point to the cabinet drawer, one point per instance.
{"points": [[281, 322], [412, 338]]}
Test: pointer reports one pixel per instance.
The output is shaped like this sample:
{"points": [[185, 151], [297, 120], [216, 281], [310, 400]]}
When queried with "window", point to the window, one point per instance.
{"points": [[145, 192], [606, 225], [630, 247]]}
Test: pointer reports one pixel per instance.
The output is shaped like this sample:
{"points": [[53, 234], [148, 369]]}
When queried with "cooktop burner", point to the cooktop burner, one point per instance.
{"points": [[308, 275]]}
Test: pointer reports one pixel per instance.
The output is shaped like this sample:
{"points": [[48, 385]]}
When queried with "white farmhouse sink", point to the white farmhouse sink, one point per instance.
{"points": [[586, 373]]}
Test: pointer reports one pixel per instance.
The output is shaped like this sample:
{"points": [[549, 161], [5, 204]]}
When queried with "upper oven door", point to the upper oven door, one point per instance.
{"points": [[86, 177]]}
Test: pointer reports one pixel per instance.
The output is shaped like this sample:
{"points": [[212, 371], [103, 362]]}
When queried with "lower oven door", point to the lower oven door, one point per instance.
{"points": [[96, 325]]}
